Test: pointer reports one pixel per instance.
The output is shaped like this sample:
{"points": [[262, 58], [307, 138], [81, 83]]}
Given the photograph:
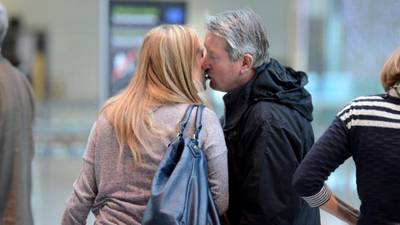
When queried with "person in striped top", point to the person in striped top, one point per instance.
{"points": [[368, 129]]}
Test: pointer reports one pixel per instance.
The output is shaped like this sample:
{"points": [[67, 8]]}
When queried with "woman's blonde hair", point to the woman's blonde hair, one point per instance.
{"points": [[163, 76], [390, 73]]}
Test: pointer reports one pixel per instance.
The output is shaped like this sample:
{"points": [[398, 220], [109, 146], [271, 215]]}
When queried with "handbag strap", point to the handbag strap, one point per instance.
{"points": [[185, 119], [199, 125]]}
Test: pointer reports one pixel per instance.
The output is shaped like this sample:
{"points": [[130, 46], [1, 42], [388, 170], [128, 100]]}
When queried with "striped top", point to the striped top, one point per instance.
{"points": [[371, 111], [368, 129]]}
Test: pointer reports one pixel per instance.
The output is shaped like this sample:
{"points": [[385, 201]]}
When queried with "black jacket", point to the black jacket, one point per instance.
{"points": [[268, 131]]}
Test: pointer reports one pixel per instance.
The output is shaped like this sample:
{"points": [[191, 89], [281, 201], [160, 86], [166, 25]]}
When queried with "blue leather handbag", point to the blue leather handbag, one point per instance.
{"points": [[179, 192]]}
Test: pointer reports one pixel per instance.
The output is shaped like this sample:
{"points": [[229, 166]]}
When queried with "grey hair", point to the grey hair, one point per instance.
{"points": [[3, 23], [243, 33]]}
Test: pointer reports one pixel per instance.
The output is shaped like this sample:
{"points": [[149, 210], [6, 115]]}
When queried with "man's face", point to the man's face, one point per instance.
{"points": [[223, 73]]}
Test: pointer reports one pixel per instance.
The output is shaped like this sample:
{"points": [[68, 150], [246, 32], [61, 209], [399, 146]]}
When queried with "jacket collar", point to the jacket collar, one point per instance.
{"points": [[236, 103], [271, 82]]}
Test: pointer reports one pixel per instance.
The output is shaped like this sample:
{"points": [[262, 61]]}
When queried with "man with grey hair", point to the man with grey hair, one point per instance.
{"points": [[16, 143], [267, 121]]}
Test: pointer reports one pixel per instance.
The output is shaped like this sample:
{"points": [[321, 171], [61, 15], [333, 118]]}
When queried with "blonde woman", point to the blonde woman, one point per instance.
{"points": [[132, 132], [368, 129]]}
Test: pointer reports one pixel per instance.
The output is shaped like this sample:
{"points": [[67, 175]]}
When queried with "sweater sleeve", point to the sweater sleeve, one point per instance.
{"points": [[84, 188], [216, 152], [6, 152], [328, 153]]}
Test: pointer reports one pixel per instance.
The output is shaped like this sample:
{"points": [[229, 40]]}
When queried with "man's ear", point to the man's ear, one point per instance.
{"points": [[247, 63]]}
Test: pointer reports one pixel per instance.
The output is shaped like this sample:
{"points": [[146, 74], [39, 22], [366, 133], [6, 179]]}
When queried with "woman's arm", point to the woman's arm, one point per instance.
{"points": [[85, 188], [330, 151], [214, 146]]}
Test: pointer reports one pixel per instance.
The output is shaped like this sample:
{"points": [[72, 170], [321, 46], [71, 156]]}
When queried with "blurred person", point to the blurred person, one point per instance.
{"points": [[134, 128], [16, 142], [11, 42], [267, 121], [368, 130], [39, 68]]}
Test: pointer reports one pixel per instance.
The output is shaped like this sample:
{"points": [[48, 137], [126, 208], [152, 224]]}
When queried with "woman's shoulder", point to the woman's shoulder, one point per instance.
{"points": [[362, 102], [102, 125], [102, 121], [178, 110], [373, 110], [209, 116], [369, 98], [173, 114]]}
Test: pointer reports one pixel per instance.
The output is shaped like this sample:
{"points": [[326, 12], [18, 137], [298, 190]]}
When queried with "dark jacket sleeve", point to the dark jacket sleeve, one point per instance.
{"points": [[330, 151], [270, 198]]}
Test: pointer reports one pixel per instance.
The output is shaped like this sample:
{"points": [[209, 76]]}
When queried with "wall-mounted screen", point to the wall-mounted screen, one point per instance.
{"points": [[127, 22]]}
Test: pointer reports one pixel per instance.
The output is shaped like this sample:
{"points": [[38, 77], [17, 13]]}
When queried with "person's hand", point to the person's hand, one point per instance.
{"points": [[349, 213], [341, 210]]}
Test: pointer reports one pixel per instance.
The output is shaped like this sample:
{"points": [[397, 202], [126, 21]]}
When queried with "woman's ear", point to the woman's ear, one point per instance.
{"points": [[247, 63]]}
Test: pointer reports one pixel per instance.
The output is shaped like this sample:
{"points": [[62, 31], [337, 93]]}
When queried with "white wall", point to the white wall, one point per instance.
{"points": [[74, 47], [72, 28], [74, 44]]}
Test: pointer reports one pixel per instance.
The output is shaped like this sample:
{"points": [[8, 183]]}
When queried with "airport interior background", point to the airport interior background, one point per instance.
{"points": [[77, 53]]}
